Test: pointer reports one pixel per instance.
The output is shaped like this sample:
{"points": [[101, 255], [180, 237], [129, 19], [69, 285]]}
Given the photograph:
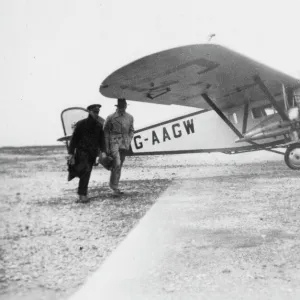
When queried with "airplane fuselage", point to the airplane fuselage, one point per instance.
{"points": [[202, 131]]}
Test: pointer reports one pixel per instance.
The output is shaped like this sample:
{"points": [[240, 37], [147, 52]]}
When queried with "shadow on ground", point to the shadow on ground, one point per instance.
{"points": [[134, 190]]}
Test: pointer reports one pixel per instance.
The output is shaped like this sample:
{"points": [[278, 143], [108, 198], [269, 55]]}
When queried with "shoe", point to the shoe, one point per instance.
{"points": [[117, 192], [83, 199]]}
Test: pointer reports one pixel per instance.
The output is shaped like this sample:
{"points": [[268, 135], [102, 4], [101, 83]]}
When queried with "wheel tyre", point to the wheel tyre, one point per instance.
{"points": [[287, 157]]}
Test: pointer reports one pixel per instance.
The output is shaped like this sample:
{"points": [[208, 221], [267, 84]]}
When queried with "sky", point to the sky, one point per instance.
{"points": [[55, 54]]}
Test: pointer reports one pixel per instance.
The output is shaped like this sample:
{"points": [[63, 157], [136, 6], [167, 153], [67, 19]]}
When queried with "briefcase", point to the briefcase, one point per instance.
{"points": [[106, 161]]}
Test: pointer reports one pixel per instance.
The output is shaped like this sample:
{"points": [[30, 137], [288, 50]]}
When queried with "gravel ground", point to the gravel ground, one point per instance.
{"points": [[49, 243], [220, 231]]}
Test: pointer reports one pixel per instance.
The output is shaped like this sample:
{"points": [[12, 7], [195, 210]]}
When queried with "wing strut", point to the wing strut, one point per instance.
{"points": [[231, 126], [265, 90], [221, 115], [245, 119]]}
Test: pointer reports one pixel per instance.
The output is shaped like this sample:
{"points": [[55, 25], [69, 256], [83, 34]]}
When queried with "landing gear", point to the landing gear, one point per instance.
{"points": [[292, 156]]}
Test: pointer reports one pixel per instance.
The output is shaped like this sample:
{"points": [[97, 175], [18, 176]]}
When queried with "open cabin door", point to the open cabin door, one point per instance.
{"points": [[69, 118]]}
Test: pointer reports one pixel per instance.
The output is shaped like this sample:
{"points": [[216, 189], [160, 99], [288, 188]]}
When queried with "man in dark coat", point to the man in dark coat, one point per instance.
{"points": [[86, 144]]}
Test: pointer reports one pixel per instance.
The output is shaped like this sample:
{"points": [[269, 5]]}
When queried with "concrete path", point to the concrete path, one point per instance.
{"points": [[223, 237]]}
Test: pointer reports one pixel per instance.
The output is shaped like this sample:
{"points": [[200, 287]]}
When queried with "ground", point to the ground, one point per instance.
{"points": [[50, 244]]}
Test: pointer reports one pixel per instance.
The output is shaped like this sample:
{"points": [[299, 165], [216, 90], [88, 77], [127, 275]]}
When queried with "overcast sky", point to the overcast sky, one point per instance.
{"points": [[54, 54]]}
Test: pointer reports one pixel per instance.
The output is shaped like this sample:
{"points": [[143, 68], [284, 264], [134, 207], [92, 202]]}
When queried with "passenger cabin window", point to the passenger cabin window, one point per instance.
{"points": [[263, 111], [233, 118], [270, 110], [258, 112]]}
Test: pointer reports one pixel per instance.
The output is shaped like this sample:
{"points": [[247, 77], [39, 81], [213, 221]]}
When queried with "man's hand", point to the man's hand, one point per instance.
{"points": [[107, 151], [101, 156]]}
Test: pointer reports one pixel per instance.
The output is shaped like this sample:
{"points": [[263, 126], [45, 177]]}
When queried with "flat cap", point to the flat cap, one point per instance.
{"points": [[93, 107]]}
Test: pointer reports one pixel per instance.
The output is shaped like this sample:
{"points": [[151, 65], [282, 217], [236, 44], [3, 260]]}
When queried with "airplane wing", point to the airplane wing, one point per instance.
{"points": [[181, 75]]}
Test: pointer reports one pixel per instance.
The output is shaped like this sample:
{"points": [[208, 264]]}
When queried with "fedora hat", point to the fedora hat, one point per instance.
{"points": [[121, 103]]}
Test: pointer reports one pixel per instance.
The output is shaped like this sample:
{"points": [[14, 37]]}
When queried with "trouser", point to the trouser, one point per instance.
{"points": [[84, 181], [87, 162], [118, 156]]}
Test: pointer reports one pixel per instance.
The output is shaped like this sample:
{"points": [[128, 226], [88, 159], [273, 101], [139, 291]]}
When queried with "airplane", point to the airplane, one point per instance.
{"points": [[69, 117], [243, 104]]}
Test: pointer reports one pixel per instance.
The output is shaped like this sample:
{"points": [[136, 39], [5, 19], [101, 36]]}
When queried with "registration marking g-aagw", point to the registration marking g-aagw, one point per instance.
{"points": [[164, 133]]}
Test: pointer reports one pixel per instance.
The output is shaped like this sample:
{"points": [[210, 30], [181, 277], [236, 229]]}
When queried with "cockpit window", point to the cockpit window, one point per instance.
{"points": [[270, 110], [233, 118], [258, 112], [263, 111]]}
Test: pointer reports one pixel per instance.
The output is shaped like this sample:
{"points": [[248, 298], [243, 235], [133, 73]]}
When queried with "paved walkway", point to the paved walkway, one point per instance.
{"points": [[204, 239]]}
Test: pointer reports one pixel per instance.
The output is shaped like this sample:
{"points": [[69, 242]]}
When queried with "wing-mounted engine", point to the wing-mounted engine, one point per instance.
{"points": [[274, 126], [294, 118], [286, 122], [292, 154]]}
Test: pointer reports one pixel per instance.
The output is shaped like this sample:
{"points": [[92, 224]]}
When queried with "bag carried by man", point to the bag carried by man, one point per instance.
{"points": [[106, 161]]}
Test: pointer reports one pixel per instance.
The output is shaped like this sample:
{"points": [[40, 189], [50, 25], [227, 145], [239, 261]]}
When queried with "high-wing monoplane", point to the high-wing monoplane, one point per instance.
{"points": [[243, 104]]}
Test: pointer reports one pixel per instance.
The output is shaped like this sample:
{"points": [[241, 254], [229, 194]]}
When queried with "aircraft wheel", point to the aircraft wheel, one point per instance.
{"points": [[292, 157]]}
